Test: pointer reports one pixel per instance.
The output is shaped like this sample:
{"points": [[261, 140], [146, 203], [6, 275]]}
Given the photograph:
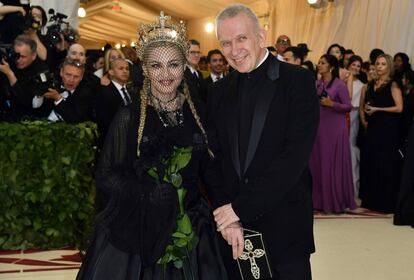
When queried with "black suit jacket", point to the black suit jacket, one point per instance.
{"points": [[78, 107], [272, 192], [26, 88], [209, 80], [108, 103], [197, 86]]}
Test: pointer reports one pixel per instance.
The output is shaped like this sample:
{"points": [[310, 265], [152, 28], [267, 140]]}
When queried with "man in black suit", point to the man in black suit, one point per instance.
{"points": [[72, 103], [215, 61], [113, 96], [262, 123], [194, 77]]}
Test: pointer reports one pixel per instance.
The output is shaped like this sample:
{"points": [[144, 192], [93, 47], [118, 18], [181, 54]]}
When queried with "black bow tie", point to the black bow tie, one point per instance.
{"points": [[63, 89]]}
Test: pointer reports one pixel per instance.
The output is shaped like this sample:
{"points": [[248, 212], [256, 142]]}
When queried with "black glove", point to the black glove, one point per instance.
{"points": [[163, 195]]}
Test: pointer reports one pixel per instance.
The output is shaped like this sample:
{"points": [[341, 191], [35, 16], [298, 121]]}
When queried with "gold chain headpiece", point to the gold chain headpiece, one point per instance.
{"points": [[163, 30]]}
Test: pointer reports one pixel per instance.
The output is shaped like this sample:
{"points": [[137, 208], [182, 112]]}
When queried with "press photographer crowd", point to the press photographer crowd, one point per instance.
{"points": [[42, 66]]}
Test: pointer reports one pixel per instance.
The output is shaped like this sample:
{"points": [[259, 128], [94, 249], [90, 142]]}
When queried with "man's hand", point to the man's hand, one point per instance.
{"points": [[233, 234], [4, 67], [52, 94], [224, 216]]}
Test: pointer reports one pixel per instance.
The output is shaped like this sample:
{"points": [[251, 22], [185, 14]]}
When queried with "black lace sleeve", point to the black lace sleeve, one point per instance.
{"points": [[139, 214], [115, 177]]}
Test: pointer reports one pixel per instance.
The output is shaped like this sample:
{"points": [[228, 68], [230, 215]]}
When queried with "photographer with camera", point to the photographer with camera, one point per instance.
{"points": [[60, 36], [36, 23], [72, 102], [29, 21], [21, 68]]}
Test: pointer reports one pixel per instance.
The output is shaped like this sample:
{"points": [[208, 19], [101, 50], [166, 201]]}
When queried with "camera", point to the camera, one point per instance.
{"points": [[26, 22], [30, 22], [324, 94], [44, 81], [58, 28], [7, 53]]}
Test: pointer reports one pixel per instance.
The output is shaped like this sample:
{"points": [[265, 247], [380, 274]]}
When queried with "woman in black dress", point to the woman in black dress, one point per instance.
{"points": [[140, 224], [380, 159]]}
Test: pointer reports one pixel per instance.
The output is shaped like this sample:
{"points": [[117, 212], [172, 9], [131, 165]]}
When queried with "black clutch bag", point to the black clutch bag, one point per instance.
{"points": [[253, 263]]}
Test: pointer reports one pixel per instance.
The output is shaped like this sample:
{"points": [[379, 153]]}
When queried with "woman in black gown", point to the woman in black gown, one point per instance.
{"points": [[139, 219], [380, 159]]}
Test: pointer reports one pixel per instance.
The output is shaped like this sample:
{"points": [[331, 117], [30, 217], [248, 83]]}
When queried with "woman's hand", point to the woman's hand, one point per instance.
{"points": [[326, 101], [371, 110]]}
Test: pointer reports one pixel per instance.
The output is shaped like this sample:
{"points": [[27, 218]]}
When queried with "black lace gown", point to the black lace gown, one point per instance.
{"points": [[137, 221]]}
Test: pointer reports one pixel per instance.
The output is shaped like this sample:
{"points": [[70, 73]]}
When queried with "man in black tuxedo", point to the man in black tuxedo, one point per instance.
{"points": [[215, 61], [72, 102], [113, 96], [194, 77], [262, 123]]}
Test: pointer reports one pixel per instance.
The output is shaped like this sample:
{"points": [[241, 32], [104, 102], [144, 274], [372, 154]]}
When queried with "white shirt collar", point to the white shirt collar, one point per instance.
{"points": [[192, 69], [264, 58], [280, 57], [118, 85], [214, 76]]}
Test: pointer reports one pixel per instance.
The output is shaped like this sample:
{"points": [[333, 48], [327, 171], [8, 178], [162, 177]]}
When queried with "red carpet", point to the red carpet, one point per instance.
{"points": [[41, 260], [38, 260]]}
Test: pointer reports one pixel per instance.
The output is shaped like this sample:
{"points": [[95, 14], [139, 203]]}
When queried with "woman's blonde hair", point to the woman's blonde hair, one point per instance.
{"points": [[107, 55]]}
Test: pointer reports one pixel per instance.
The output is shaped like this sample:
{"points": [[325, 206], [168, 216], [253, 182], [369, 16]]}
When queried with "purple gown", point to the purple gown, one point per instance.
{"points": [[330, 162]]}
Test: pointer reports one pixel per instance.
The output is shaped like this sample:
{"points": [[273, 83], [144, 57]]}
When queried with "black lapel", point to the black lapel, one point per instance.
{"points": [[118, 101], [261, 109], [232, 123]]}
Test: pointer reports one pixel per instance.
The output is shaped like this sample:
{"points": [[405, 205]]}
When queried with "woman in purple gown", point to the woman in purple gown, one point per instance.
{"points": [[330, 161]]}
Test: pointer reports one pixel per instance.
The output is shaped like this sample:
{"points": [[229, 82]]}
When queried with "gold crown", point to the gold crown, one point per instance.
{"points": [[163, 30]]}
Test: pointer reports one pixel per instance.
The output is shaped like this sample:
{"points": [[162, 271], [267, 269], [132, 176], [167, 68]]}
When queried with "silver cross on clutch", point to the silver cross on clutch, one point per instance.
{"points": [[252, 255]]}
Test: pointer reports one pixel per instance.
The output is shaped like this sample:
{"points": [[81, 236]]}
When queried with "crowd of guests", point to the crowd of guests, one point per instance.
{"points": [[366, 107], [366, 113]]}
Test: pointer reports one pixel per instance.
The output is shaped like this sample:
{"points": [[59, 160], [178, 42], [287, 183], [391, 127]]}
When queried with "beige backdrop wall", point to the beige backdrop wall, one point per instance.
{"points": [[360, 25]]}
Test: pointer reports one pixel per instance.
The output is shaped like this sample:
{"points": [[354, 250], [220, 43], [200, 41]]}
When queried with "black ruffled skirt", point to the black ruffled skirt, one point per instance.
{"points": [[105, 262]]}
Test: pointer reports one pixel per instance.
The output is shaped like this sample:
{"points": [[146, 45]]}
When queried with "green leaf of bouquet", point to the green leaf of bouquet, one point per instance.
{"points": [[178, 264], [181, 195], [181, 242], [178, 234], [184, 224], [183, 159], [176, 180], [153, 173]]}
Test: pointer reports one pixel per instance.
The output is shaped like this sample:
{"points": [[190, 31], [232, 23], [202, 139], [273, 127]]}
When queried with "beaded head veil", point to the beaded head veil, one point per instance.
{"points": [[162, 48]]}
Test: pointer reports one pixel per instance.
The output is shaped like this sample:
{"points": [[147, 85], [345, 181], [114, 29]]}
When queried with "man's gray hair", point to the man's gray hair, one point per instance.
{"points": [[112, 63], [234, 10], [26, 40]]}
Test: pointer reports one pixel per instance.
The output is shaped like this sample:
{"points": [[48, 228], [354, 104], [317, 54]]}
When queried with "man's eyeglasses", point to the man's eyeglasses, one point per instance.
{"points": [[283, 41], [73, 62]]}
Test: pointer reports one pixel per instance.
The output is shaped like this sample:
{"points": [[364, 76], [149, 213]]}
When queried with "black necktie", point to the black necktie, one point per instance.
{"points": [[217, 78], [127, 98], [195, 75]]}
